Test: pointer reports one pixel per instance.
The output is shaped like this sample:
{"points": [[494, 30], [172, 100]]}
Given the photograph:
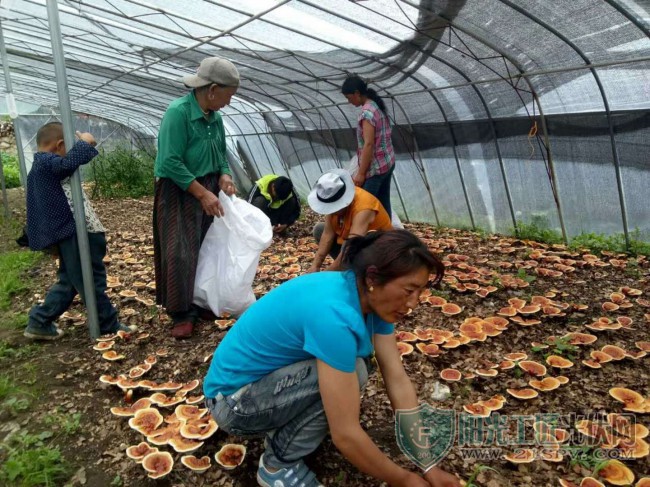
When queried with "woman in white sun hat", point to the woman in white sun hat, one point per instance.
{"points": [[349, 210]]}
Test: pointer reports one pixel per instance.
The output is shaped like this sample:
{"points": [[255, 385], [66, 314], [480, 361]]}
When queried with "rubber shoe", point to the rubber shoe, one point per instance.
{"points": [[43, 333], [296, 476], [127, 328]]}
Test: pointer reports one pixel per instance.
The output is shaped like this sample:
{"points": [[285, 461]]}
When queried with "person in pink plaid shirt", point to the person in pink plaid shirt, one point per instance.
{"points": [[374, 145]]}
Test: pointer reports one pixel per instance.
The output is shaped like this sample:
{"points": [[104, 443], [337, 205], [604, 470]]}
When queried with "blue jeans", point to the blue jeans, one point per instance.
{"points": [[70, 283], [285, 406], [379, 187]]}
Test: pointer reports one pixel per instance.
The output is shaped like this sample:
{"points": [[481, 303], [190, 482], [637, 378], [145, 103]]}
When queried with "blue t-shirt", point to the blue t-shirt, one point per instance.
{"points": [[312, 316]]}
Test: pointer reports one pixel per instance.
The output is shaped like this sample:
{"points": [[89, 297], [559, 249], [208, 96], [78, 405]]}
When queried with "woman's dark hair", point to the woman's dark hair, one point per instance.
{"points": [[283, 187], [355, 83], [387, 255]]}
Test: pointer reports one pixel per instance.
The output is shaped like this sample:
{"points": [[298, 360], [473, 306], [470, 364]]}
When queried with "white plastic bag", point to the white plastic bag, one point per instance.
{"points": [[229, 256]]}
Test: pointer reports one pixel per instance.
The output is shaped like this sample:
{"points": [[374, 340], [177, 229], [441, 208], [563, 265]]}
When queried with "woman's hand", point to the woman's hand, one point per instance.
{"points": [[312, 269], [227, 185], [211, 204], [359, 179], [439, 478]]}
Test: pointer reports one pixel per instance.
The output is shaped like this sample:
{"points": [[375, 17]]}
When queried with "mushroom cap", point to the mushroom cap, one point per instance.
{"points": [[494, 403], [104, 345], [406, 336], [523, 393], [616, 473], [112, 355], [516, 356], [194, 399], [161, 436], [593, 364], [452, 343], [507, 311], [563, 379], [187, 411], [139, 451], [487, 372], [198, 465], [533, 368], [404, 348], [451, 375], [146, 420], [133, 408], [230, 456], [576, 338], [551, 455], [199, 431], [627, 396], [617, 353], [600, 356], [522, 455], [108, 379], [506, 364], [644, 482], [591, 482], [430, 349], [517, 303], [567, 483], [165, 401], [436, 301], [451, 309], [184, 445], [558, 362], [498, 321], [158, 464], [477, 409], [547, 384], [634, 448], [190, 386]]}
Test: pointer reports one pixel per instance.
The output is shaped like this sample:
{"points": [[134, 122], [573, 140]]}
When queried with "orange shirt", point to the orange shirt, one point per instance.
{"points": [[362, 201]]}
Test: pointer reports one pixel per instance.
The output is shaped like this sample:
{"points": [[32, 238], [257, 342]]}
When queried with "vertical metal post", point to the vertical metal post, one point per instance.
{"points": [[75, 180], [19, 142], [5, 203]]}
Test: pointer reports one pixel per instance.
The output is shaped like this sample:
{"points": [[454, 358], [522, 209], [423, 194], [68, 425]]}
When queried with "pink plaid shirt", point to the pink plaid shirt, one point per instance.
{"points": [[383, 157]]}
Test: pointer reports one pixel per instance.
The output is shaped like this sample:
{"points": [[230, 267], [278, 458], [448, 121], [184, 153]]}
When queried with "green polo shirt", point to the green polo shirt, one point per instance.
{"points": [[189, 145]]}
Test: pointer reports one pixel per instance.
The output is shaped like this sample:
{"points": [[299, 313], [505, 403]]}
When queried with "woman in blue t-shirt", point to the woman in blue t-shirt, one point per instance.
{"points": [[293, 367]]}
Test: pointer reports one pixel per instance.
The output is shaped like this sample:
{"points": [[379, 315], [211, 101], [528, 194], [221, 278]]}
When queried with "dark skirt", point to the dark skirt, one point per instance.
{"points": [[179, 226]]}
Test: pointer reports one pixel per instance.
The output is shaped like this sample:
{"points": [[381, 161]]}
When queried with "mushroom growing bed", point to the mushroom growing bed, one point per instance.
{"points": [[517, 328]]}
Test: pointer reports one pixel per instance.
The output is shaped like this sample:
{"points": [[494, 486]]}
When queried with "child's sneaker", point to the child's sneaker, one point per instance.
{"points": [[50, 332], [296, 476]]}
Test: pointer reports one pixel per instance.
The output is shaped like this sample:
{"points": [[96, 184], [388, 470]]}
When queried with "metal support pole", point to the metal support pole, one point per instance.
{"points": [[75, 180], [5, 203], [19, 142]]}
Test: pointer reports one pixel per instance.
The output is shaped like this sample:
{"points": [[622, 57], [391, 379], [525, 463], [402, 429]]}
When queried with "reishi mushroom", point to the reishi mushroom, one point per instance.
{"points": [[230, 456], [198, 465], [158, 464]]}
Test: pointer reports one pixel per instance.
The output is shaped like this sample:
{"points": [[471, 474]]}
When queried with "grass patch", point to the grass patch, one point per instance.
{"points": [[30, 461], [537, 232], [15, 399], [68, 424], [13, 321], [7, 352], [11, 170], [12, 266], [121, 173]]}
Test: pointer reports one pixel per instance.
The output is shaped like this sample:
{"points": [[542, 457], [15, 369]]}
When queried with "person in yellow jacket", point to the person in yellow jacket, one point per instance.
{"points": [[274, 195]]}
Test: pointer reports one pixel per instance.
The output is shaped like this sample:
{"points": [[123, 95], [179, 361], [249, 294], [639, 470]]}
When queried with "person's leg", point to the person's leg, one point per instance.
{"points": [[379, 187], [106, 312], [57, 300], [285, 406]]}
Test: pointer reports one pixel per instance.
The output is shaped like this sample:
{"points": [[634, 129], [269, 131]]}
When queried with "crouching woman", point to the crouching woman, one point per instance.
{"points": [[293, 366]]}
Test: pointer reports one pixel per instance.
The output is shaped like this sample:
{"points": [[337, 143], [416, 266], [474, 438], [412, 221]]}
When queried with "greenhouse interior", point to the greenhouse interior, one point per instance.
{"points": [[506, 115]]}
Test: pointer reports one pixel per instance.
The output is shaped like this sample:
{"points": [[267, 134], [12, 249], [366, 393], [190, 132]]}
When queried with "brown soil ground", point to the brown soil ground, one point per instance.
{"points": [[68, 370]]}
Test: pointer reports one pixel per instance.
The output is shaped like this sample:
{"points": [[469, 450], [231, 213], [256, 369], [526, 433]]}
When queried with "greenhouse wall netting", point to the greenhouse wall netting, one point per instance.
{"points": [[504, 112]]}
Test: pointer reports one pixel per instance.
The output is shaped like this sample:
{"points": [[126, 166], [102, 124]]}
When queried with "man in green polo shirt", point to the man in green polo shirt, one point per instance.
{"points": [[274, 195]]}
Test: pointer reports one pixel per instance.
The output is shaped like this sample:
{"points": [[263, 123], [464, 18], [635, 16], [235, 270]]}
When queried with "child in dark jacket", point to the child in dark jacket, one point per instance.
{"points": [[51, 225]]}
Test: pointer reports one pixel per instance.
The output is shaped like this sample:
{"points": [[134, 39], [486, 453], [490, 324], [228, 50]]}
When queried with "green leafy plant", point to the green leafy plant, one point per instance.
{"points": [[537, 230], [11, 170], [117, 481], [598, 243], [121, 173], [29, 461], [68, 424], [12, 266], [582, 455], [559, 346], [522, 274]]}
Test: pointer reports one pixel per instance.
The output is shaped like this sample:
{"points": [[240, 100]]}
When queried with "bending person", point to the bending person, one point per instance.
{"points": [[374, 145], [294, 376], [274, 195], [350, 212], [191, 167]]}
